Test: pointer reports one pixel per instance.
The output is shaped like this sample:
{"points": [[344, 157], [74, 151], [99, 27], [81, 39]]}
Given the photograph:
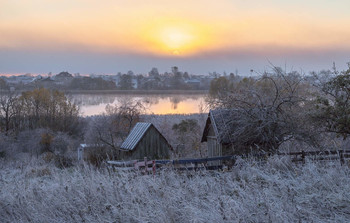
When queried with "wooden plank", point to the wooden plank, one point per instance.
{"points": [[122, 163], [188, 161]]}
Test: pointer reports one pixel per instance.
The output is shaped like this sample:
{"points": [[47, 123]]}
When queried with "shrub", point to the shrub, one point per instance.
{"points": [[97, 155]]}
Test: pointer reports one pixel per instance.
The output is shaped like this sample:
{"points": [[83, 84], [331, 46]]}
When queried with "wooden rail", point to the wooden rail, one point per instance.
{"points": [[147, 166], [150, 166], [342, 155]]}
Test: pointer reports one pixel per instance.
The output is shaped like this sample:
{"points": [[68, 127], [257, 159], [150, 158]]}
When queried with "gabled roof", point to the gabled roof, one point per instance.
{"points": [[222, 124], [135, 135]]}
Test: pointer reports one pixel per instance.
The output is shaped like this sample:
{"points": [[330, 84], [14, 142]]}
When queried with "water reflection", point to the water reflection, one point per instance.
{"points": [[93, 104]]}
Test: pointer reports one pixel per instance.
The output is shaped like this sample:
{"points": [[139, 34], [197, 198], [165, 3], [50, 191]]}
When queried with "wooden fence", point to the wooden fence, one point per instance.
{"points": [[150, 166], [340, 155]]}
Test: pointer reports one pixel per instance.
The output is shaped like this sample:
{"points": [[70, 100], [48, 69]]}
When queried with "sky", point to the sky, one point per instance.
{"points": [[198, 36]]}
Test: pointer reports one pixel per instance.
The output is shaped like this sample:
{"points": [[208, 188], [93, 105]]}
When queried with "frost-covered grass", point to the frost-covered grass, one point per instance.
{"points": [[276, 191]]}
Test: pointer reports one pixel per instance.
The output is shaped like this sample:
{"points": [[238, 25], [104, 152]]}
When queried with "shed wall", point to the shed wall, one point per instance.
{"points": [[214, 148], [152, 145]]}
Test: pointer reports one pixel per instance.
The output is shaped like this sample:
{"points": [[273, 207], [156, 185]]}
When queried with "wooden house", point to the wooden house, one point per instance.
{"points": [[145, 140], [217, 134]]}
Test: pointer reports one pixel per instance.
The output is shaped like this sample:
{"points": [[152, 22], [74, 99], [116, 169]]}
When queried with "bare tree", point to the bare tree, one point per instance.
{"points": [[265, 112], [42, 108], [188, 134], [111, 129], [8, 109]]}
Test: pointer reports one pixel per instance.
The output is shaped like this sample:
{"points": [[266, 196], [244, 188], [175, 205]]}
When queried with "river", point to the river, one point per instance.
{"points": [[94, 104]]}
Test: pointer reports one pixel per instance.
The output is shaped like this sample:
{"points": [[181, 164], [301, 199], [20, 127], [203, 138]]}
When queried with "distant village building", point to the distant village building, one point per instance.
{"points": [[134, 83], [114, 78], [193, 83], [21, 79], [145, 140], [63, 78], [45, 82]]}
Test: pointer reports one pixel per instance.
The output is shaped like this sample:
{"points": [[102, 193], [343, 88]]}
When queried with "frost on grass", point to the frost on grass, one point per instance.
{"points": [[275, 191]]}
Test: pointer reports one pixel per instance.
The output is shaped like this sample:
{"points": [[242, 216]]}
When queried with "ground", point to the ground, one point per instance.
{"points": [[274, 191]]}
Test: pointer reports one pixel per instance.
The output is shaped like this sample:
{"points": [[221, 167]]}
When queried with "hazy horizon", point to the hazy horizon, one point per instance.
{"points": [[107, 37]]}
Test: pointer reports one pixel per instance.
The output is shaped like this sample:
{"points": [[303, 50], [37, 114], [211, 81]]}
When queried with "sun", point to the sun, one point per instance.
{"points": [[175, 38]]}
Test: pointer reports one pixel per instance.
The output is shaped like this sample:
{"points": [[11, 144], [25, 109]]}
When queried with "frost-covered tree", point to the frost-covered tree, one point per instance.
{"points": [[111, 128], [266, 111], [333, 105]]}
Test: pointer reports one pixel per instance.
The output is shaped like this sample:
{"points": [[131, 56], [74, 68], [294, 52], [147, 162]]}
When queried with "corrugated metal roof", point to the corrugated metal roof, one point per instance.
{"points": [[135, 135]]}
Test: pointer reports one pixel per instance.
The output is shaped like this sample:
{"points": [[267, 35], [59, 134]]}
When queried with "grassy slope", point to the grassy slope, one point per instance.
{"points": [[276, 191]]}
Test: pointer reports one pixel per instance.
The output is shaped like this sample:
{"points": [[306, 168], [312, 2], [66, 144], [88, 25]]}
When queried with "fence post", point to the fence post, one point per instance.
{"points": [[145, 159], [154, 167], [341, 154], [136, 166], [303, 156]]}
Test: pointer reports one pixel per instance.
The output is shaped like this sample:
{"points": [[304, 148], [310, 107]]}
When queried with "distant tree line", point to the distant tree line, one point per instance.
{"points": [[39, 121], [39, 108], [88, 83], [174, 80]]}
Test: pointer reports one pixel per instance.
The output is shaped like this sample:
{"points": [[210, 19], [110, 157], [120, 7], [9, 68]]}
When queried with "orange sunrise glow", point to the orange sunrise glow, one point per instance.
{"points": [[169, 31], [179, 38]]}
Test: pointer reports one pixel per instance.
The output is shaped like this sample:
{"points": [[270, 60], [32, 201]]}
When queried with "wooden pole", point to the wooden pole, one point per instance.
{"points": [[341, 154], [154, 167], [145, 165], [303, 156]]}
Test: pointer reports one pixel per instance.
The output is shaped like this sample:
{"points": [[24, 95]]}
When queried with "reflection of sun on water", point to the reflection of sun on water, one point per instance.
{"points": [[166, 106], [154, 104]]}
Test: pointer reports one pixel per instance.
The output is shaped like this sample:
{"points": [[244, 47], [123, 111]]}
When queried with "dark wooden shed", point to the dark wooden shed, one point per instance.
{"points": [[145, 140], [217, 133]]}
